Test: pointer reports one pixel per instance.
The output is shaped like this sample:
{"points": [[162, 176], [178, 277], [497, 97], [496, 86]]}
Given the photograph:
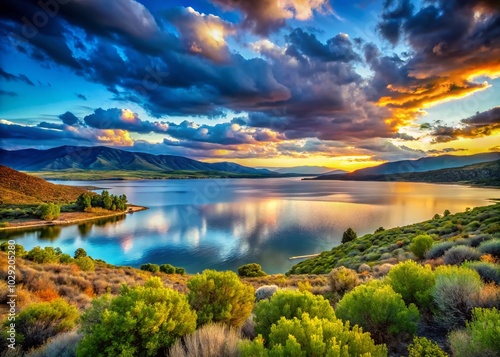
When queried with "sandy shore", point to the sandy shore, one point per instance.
{"points": [[69, 218]]}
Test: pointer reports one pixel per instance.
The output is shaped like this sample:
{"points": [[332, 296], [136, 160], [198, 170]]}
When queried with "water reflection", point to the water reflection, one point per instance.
{"points": [[242, 221]]}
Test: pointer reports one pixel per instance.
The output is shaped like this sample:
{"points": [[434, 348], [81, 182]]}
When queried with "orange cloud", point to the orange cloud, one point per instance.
{"points": [[115, 137]]}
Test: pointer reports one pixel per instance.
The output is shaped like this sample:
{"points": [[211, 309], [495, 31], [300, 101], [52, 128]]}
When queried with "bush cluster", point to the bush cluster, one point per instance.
{"points": [[251, 270], [141, 321], [220, 297], [421, 244], [378, 309], [104, 200]]}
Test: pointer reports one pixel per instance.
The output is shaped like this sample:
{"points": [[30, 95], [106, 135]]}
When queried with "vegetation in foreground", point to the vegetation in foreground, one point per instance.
{"points": [[418, 306]]}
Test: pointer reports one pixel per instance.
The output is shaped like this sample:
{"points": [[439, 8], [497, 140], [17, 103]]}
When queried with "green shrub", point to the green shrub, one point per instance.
{"points": [[80, 253], [349, 235], [459, 254], [49, 211], [306, 336], [85, 263], [62, 345], [141, 321], [489, 272], [438, 249], [220, 297], [65, 258], [421, 244], [211, 340], [480, 338], [180, 271], [455, 293], [166, 268], [342, 280], [153, 268], [476, 240], [251, 270], [18, 248], [422, 347], [380, 311], [45, 255], [289, 304], [93, 314], [413, 281], [490, 247], [36, 323]]}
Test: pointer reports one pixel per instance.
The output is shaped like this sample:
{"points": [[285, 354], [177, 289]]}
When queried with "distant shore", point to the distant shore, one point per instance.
{"points": [[67, 218]]}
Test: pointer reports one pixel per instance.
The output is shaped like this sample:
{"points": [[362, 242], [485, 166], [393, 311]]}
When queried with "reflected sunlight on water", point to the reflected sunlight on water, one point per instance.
{"points": [[222, 224]]}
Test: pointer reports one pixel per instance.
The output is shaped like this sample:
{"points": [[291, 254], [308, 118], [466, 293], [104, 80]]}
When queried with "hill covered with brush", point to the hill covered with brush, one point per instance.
{"points": [[17, 188]]}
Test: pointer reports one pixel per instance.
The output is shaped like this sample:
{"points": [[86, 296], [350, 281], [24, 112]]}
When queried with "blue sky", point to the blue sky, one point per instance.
{"points": [[263, 83]]}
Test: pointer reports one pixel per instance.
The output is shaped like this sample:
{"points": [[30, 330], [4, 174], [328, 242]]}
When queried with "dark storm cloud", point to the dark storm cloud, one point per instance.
{"points": [[69, 118], [480, 124], [451, 42], [12, 77], [445, 150], [338, 48]]}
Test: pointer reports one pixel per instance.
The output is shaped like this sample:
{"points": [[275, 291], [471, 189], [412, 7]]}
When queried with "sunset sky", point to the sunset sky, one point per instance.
{"points": [[266, 83]]}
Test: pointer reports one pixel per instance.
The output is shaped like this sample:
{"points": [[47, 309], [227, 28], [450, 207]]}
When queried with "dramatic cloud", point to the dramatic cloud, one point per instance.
{"points": [[264, 16], [481, 124], [453, 43], [123, 119], [69, 118], [202, 34]]}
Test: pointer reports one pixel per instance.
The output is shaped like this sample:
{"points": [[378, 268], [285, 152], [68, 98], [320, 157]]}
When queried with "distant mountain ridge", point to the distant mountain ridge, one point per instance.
{"points": [[105, 158], [305, 170], [482, 174], [426, 164]]}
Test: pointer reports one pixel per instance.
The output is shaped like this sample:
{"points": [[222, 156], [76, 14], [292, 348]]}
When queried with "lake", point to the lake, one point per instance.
{"points": [[225, 223]]}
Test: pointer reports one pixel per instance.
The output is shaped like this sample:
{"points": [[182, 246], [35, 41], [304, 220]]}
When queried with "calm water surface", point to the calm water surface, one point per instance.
{"points": [[225, 223]]}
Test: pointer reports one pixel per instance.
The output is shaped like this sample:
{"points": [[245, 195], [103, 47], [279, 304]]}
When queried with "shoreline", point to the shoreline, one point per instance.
{"points": [[63, 221]]}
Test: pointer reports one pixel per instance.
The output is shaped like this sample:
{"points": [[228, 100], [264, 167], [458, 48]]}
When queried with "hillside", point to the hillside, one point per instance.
{"points": [[482, 174], [393, 245], [101, 158], [306, 170], [426, 164], [19, 188]]}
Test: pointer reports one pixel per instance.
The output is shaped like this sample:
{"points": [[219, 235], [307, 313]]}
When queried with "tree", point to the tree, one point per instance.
{"points": [[421, 244], [349, 235], [167, 268], [379, 310], [84, 201], [251, 270], [312, 336], [289, 304], [107, 200], [85, 263], [45, 255], [153, 268], [80, 253], [141, 321], [446, 213], [220, 297], [49, 211]]}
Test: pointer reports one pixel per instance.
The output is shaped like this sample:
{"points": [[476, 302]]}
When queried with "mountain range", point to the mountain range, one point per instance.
{"points": [[481, 174], [306, 170], [105, 158], [426, 164]]}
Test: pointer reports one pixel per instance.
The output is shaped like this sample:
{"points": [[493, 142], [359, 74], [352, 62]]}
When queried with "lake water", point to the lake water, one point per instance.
{"points": [[225, 223]]}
